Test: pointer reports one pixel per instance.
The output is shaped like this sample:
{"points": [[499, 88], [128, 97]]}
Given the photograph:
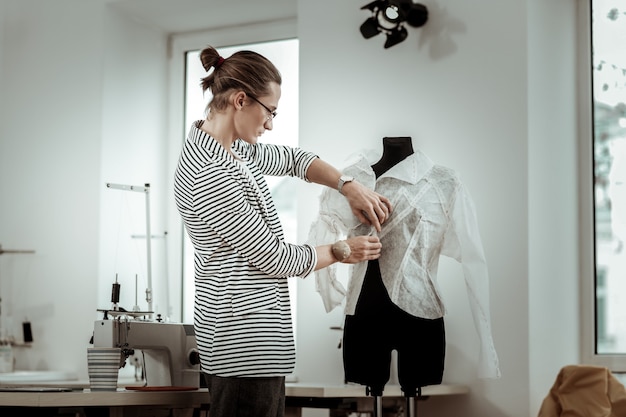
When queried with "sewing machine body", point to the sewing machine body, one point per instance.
{"points": [[170, 354]]}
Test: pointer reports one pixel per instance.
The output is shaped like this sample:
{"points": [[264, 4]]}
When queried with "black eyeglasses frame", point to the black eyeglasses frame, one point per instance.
{"points": [[272, 113]]}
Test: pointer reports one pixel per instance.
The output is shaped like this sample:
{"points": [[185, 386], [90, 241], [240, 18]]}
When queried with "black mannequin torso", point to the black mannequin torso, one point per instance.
{"points": [[395, 149]]}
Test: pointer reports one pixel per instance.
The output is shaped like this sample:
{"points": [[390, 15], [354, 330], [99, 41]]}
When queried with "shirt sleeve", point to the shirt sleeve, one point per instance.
{"points": [[279, 160], [464, 244], [219, 201]]}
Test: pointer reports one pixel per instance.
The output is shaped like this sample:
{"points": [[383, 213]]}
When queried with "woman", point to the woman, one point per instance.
{"points": [[242, 313]]}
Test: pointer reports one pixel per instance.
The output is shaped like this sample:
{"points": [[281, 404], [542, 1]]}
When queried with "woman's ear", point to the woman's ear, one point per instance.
{"points": [[238, 99]]}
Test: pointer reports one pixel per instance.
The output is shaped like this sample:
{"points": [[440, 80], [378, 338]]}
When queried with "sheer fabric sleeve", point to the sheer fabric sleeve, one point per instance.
{"points": [[327, 228], [463, 243]]}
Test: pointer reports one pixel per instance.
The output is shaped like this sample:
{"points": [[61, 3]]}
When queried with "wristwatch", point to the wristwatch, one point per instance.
{"points": [[341, 250], [343, 180]]}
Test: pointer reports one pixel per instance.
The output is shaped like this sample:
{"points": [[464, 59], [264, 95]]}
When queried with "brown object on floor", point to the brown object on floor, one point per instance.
{"points": [[585, 391]]}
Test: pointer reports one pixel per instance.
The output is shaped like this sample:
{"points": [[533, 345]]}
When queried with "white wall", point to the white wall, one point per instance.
{"points": [[485, 88], [554, 300], [50, 135], [83, 104]]}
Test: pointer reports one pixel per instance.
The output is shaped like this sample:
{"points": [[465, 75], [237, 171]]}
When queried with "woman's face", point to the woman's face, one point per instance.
{"points": [[258, 114]]}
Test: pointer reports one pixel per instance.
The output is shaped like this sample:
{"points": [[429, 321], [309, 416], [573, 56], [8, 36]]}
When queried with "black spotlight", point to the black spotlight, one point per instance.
{"points": [[388, 17]]}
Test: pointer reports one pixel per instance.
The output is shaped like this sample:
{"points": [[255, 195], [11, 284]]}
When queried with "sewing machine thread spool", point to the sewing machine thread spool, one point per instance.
{"points": [[27, 331], [115, 293]]}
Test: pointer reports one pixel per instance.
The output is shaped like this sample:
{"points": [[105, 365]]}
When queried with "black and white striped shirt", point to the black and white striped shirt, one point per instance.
{"points": [[242, 313]]}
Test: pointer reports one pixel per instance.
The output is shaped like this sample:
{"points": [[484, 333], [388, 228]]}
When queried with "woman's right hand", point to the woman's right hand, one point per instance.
{"points": [[363, 248]]}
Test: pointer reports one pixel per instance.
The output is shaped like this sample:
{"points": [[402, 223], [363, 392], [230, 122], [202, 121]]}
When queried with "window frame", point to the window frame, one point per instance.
{"points": [[588, 277]]}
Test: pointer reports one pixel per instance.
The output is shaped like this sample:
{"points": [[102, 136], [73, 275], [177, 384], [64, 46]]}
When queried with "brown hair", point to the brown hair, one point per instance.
{"points": [[244, 70]]}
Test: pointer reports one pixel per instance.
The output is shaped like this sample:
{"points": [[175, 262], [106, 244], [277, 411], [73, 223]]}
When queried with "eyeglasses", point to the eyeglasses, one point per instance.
{"points": [[272, 113]]}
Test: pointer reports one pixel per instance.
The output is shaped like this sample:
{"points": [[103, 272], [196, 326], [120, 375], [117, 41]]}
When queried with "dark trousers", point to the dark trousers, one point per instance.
{"points": [[246, 396]]}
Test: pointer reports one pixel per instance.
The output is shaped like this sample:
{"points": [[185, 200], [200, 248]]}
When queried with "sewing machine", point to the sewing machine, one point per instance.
{"points": [[170, 354]]}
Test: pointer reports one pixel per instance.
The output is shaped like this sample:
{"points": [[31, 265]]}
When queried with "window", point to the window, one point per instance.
{"points": [[284, 54], [607, 186]]}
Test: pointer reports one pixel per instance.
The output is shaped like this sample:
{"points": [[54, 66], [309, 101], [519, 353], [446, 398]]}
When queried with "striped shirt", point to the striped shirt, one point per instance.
{"points": [[242, 314]]}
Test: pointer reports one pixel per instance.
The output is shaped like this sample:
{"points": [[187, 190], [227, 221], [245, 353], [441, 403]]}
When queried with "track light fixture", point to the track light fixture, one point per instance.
{"points": [[388, 17]]}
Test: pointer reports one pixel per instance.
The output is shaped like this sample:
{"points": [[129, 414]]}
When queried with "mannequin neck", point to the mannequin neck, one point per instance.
{"points": [[395, 149]]}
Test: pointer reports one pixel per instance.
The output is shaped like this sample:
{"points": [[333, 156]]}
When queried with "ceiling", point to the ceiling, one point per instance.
{"points": [[180, 16]]}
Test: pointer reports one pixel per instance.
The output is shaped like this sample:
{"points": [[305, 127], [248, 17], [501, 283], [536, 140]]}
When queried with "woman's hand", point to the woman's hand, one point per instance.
{"points": [[363, 248], [360, 248], [367, 205]]}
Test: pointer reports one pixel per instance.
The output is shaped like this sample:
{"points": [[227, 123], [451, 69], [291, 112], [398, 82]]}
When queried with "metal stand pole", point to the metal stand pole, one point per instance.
{"points": [[378, 406], [146, 190], [149, 299], [378, 403], [411, 405]]}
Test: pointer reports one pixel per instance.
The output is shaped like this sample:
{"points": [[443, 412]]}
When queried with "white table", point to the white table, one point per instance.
{"points": [[131, 403], [118, 403], [354, 398]]}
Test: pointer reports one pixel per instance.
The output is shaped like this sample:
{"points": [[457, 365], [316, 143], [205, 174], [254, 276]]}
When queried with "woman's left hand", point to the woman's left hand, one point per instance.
{"points": [[367, 205]]}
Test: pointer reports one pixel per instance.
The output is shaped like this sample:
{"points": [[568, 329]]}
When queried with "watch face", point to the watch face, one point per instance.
{"points": [[342, 180]]}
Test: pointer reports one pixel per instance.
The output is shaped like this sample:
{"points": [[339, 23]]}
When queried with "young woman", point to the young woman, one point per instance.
{"points": [[242, 312]]}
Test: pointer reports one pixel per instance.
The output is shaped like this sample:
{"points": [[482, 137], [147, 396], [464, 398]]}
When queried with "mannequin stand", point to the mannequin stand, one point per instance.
{"points": [[410, 395], [377, 394], [411, 404]]}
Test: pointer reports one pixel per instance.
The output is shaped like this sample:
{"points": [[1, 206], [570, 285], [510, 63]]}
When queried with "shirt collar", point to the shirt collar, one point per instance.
{"points": [[411, 169], [208, 142]]}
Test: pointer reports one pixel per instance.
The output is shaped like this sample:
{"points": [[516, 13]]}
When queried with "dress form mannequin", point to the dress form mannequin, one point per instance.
{"points": [[394, 303], [395, 149]]}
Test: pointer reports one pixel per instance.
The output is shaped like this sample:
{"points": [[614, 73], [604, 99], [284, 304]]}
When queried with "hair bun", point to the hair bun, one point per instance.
{"points": [[208, 57], [206, 64]]}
